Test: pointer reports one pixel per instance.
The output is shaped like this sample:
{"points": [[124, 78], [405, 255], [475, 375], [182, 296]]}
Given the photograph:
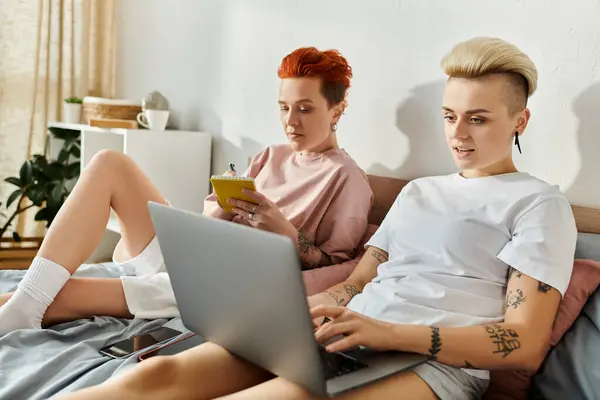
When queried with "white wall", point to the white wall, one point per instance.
{"points": [[216, 62]]}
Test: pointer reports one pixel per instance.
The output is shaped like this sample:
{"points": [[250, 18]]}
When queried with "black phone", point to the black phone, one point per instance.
{"points": [[131, 345], [172, 348]]}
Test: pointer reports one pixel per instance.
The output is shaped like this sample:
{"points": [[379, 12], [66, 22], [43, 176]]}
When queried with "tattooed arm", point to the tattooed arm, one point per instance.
{"points": [[521, 341], [310, 255], [363, 273]]}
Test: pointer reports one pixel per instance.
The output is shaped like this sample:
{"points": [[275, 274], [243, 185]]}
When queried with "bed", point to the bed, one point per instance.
{"points": [[37, 364]]}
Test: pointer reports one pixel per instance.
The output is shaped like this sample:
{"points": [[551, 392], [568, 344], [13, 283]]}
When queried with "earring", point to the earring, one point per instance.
{"points": [[517, 142], [333, 127]]}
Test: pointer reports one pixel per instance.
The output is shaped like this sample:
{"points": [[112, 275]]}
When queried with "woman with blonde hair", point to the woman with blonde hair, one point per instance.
{"points": [[467, 268], [309, 189]]}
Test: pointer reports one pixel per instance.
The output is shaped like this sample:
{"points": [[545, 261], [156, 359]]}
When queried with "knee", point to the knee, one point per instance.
{"points": [[109, 160], [155, 374]]}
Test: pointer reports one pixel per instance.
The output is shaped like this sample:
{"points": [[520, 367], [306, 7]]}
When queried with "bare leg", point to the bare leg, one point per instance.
{"points": [[406, 385], [110, 180], [209, 371], [84, 298], [204, 372]]}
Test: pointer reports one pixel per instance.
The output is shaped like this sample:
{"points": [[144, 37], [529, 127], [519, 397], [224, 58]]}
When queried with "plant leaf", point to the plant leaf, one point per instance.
{"points": [[37, 194], [57, 193], [75, 151], [63, 156], [13, 196], [42, 215], [16, 237], [72, 170], [54, 171], [15, 181], [26, 172]]}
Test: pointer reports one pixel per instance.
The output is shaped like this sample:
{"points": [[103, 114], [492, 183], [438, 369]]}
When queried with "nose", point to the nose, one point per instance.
{"points": [[292, 118], [459, 131]]}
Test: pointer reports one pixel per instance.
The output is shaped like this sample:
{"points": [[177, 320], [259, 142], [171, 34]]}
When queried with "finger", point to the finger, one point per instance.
{"points": [[332, 329], [346, 343], [326, 311], [241, 212], [245, 205], [229, 173], [254, 195]]}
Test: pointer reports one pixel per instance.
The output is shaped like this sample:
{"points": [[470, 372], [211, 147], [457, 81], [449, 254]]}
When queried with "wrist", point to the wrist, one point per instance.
{"points": [[410, 338], [325, 298]]}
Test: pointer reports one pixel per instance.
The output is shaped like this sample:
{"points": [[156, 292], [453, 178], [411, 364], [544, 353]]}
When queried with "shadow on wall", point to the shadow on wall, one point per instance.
{"points": [[205, 119], [587, 183], [419, 118]]}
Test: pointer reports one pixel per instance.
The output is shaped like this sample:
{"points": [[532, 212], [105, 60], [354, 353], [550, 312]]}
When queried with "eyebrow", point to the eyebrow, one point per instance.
{"points": [[299, 101], [469, 112]]}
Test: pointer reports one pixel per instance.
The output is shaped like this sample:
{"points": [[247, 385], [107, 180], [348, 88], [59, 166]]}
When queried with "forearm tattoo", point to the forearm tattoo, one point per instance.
{"points": [[310, 255], [436, 343], [514, 272], [378, 255], [505, 340], [342, 298], [514, 298], [544, 288], [338, 300]]}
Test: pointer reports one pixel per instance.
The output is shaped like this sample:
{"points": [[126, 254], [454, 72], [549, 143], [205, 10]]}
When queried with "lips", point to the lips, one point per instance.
{"points": [[462, 153]]}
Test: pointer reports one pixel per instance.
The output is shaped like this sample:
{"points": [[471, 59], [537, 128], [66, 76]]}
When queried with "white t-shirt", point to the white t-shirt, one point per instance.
{"points": [[451, 241]]}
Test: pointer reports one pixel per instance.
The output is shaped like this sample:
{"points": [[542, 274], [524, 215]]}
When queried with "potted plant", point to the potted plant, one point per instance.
{"points": [[46, 184], [72, 110]]}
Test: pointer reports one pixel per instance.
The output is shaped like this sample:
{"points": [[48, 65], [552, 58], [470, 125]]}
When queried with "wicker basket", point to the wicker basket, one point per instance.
{"points": [[109, 110]]}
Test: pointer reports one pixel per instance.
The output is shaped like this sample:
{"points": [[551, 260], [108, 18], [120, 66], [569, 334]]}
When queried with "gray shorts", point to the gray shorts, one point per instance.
{"points": [[451, 383]]}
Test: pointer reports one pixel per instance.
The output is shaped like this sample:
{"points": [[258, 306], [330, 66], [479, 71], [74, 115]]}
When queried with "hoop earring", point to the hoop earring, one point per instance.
{"points": [[517, 142], [333, 127]]}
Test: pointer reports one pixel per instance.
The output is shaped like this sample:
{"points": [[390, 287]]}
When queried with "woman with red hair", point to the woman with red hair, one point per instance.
{"points": [[308, 189]]}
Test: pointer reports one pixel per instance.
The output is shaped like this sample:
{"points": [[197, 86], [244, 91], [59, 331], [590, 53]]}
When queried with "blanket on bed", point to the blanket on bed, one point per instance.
{"points": [[37, 364]]}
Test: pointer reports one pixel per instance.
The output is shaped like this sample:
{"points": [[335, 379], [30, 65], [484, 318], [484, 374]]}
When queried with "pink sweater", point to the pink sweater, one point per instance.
{"points": [[326, 196]]}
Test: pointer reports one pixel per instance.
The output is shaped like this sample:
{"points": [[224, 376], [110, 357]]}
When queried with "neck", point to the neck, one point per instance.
{"points": [[503, 167], [328, 144]]}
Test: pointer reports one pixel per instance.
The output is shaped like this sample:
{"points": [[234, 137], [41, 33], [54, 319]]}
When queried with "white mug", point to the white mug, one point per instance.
{"points": [[155, 120]]}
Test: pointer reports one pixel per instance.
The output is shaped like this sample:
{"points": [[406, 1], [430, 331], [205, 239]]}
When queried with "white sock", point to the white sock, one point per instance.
{"points": [[36, 291]]}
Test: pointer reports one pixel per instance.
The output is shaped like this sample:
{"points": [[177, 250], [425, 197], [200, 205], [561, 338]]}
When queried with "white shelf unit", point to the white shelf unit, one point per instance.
{"points": [[177, 162]]}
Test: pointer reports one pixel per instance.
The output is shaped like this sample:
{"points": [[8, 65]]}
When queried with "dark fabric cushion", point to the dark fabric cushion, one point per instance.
{"points": [[572, 368]]}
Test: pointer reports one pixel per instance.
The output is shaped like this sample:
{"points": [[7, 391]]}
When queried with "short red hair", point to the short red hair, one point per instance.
{"points": [[329, 66]]}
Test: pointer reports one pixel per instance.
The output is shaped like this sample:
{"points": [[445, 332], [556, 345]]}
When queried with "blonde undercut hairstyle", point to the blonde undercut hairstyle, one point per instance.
{"points": [[482, 56]]}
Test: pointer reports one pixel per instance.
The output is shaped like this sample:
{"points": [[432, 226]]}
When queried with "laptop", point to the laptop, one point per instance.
{"points": [[242, 288]]}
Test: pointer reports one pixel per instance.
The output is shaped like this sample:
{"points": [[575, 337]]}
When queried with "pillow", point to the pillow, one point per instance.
{"points": [[318, 279], [572, 370], [514, 384], [588, 246]]}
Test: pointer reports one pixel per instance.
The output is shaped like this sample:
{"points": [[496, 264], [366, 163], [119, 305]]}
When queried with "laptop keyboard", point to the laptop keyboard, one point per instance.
{"points": [[337, 364]]}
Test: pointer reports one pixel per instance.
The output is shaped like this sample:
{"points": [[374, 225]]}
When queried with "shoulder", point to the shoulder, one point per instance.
{"points": [[347, 170], [532, 193]]}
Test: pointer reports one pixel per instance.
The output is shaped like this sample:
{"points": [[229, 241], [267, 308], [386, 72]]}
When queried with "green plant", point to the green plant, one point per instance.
{"points": [[74, 100], [44, 182]]}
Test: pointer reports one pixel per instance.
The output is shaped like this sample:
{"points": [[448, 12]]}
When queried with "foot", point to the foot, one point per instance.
{"points": [[21, 311]]}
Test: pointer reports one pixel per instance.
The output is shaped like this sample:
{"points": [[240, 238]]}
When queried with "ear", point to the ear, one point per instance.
{"points": [[522, 120], [338, 110]]}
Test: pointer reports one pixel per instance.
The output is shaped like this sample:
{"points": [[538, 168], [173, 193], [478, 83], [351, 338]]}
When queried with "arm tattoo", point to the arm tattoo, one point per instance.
{"points": [[310, 255], [436, 343], [506, 340], [339, 301], [468, 365], [351, 290], [514, 299], [379, 256], [544, 288], [514, 272]]}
